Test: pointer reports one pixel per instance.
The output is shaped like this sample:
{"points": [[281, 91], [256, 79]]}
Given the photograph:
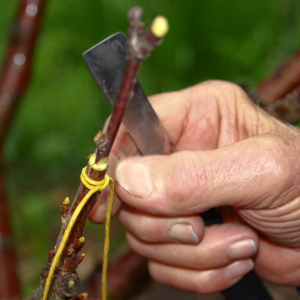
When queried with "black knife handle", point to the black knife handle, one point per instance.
{"points": [[250, 286]]}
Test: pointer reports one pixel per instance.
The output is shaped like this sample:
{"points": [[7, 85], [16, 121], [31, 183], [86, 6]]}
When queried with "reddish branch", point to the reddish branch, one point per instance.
{"points": [[65, 282], [286, 109], [14, 79], [286, 79], [140, 43]]}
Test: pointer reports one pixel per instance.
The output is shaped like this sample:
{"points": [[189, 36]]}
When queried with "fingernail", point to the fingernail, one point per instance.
{"points": [[183, 233], [242, 249], [135, 178], [239, 268]]}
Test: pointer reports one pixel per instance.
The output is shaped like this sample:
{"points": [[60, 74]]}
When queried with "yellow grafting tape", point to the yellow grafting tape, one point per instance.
{"points": [[94, 186], [106, 239]]}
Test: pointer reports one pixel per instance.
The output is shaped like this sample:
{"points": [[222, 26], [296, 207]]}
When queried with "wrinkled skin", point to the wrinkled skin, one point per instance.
{"points": [[230, 154]]}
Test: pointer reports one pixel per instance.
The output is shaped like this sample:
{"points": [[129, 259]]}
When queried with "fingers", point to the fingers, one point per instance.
{"points": [[154, 229], [214, 264], [200, 281], [196, 118], [220, 246], [254, 173]]}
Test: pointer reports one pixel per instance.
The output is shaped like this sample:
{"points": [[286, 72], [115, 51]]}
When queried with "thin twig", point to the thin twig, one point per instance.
{"points": [[140, 43]]}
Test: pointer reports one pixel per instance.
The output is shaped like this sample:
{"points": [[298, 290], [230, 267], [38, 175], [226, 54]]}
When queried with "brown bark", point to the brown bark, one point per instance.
{"points": [[286, 109], [65, 271], [140, 43], [281, 82], [65, 282], [69, 256]]}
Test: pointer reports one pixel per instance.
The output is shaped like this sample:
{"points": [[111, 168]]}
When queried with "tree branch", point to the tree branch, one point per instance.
{"points": [[140, 43], [282, 82], [65, 282]]}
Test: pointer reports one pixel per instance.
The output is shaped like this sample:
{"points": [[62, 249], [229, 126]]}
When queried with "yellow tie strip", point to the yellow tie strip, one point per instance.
{"points": [[93, 186]]}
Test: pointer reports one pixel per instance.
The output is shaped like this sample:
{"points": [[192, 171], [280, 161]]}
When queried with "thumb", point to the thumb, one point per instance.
{"points": [[251, 173]]}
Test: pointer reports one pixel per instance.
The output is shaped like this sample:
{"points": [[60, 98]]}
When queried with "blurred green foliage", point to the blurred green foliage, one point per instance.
{"points": [[239, 41]]}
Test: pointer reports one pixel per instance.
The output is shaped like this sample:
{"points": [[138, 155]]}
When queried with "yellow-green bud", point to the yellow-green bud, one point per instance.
{"points": [[66, 201], [160, 26]]}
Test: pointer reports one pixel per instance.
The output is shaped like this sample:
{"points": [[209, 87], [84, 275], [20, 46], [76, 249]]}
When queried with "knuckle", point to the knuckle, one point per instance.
{"points": [[221, 83], [273, 165], [143, 230], [147, 234], [186, 177], [278, 164], [278, 156]]}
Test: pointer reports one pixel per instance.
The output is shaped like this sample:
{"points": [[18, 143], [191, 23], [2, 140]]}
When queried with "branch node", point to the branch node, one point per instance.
{"points": [[78, 244], [65, 207], [64, 288]]}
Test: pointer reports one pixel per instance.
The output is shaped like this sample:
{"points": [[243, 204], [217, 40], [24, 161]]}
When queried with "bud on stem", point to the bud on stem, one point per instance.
{"points": [[79, 259], [79, 244], [65, 207]]}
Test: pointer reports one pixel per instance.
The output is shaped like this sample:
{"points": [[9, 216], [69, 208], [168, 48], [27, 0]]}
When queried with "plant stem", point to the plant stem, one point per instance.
{"points": [[140, 43]]}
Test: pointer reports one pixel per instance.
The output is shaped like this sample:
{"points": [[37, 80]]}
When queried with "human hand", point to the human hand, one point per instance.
{"points": [[230, 153]]}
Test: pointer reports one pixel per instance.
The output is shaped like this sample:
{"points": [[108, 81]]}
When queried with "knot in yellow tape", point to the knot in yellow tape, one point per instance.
{"points": [[93, 187], [93, 184]]}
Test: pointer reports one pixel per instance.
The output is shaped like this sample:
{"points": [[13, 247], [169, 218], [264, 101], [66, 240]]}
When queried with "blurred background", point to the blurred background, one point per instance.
{"points": [[62, 110]]}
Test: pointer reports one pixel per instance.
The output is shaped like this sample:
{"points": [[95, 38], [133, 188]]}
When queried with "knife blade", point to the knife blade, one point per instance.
{"points": [[106, 62]]}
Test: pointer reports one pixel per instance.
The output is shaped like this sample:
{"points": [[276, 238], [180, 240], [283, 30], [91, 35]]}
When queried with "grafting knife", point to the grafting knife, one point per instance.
{"points": [[106, 62]]}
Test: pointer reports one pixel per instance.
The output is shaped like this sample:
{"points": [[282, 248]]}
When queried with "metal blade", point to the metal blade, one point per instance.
{"points": [[106, 62]]}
